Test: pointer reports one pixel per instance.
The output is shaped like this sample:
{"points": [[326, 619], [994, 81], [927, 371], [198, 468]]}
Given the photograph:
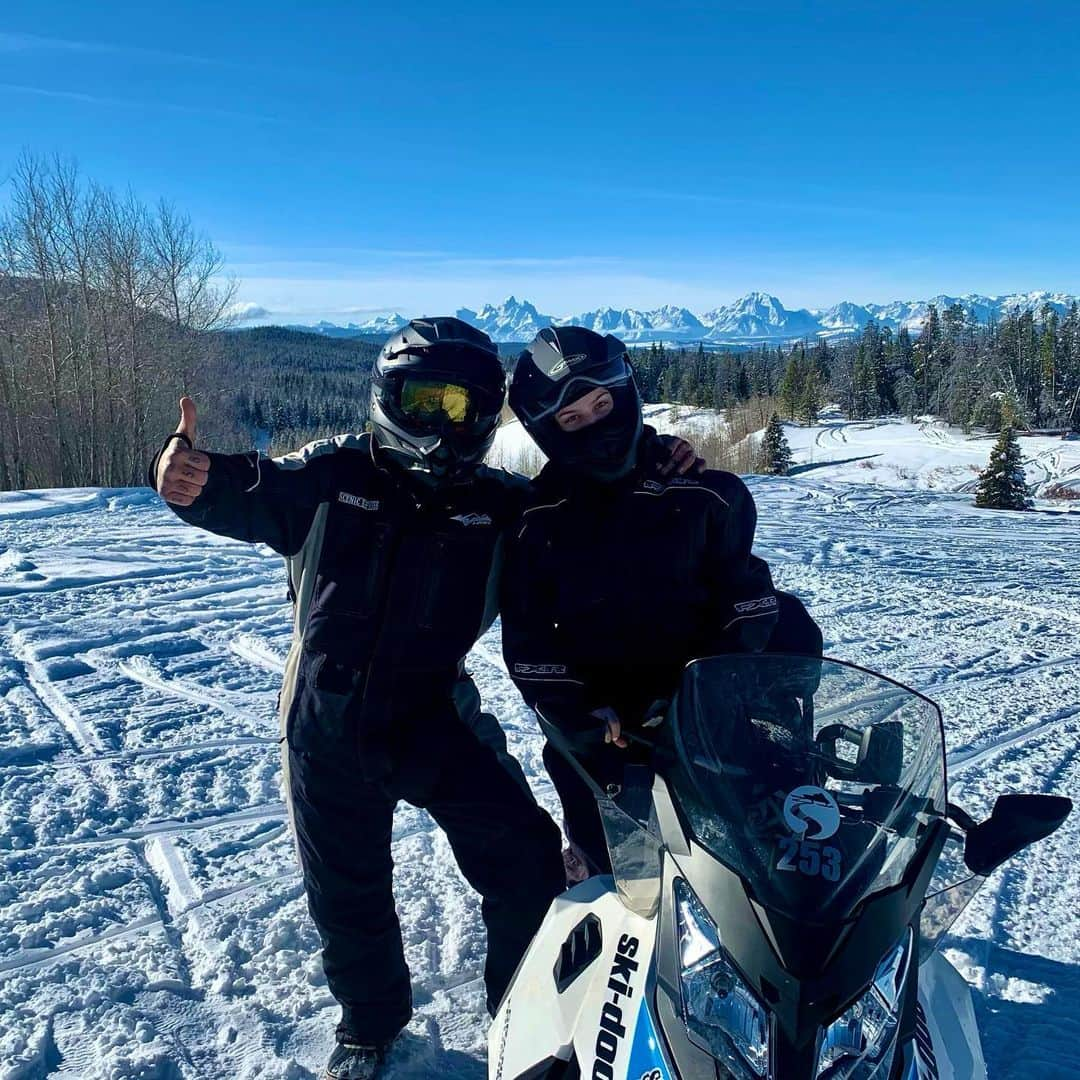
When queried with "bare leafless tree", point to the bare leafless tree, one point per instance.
{"points": [[105, 308]]}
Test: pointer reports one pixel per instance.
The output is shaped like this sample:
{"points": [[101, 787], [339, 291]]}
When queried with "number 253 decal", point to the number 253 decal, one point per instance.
{"points": [[809, 858]]}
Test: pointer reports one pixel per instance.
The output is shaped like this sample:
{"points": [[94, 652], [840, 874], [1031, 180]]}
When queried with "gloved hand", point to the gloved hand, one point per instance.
{"points": [[612, 725]]}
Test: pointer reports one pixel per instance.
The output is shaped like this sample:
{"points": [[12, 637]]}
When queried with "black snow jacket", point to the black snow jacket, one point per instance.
{"points": [[391, 585], [609, 589]]}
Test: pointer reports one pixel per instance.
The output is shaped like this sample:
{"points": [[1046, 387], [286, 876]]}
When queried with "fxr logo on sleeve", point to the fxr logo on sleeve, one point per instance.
{"points": [[539, 669], [765, 603]]}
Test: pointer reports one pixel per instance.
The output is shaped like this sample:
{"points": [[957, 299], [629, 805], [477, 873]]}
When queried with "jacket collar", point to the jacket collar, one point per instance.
{"points": [[557, 480]]}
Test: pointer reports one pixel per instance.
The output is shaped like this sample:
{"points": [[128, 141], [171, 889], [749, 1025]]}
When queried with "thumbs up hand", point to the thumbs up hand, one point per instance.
{"points": [[182, 473], [187, 419]]}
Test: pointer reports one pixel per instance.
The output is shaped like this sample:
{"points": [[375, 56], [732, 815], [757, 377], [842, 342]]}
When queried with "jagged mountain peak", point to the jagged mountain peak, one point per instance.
{"points": [[754, 317]]}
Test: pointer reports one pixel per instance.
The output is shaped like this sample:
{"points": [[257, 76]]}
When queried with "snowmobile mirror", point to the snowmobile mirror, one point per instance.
{"points": [[867, 755], [1016, 822]]}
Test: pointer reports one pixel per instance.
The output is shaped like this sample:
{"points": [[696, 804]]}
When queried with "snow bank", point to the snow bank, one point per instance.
{"points": [[924, 455]]}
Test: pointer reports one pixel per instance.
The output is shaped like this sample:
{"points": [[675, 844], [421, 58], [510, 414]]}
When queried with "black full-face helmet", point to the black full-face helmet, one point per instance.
{"points": [[437, 392], [561, 365]]}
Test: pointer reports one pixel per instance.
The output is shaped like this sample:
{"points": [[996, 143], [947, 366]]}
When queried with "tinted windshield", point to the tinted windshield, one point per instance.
{"points": [[813, 780]]}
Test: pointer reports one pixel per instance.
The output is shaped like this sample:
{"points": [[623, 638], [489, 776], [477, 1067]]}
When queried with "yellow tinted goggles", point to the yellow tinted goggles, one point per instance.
{"points": [[427, 399]]}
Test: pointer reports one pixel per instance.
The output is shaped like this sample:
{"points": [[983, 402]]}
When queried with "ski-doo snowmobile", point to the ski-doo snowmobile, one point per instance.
{"points": [[785, 864]]}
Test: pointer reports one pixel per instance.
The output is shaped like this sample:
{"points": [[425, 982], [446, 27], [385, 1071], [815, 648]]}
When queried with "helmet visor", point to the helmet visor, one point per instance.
{"points": [[616, 372], [432, 401]]}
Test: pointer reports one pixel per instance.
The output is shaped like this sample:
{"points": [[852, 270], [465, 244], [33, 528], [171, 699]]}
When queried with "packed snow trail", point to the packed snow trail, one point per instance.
{"points": [[890, 452], [152, 922]]}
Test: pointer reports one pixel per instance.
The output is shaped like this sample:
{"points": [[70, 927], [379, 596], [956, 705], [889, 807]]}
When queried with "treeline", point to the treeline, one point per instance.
{"points": [[292, 387], [105, 304], [1021, 372]]}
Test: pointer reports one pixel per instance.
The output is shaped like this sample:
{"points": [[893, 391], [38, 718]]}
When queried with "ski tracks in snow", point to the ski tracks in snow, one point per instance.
{"points": [[152, 920], [982, 612]]}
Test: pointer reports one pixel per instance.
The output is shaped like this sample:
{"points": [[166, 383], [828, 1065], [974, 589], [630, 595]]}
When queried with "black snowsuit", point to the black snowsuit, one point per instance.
{"points": [[391, 588], [611, 588]]}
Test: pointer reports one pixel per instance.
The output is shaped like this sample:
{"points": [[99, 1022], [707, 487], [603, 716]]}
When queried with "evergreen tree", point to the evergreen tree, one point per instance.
{"points": [[1002, 485], [775, 452], [1048, 362], [862, 387], [1019, 371], [810, 397], [790, 388]]}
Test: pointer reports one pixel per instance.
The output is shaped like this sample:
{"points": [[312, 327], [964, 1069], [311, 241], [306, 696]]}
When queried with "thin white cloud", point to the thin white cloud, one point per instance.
{"points": [[14, 44], [247, 309], [753, 203], [251, 311], [257, 258], [699, 286], [33, 43], [125, 103], [332, 255]]}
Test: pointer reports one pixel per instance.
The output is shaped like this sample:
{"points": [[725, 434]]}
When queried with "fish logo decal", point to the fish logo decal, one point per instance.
{"points": [[810, 806]]}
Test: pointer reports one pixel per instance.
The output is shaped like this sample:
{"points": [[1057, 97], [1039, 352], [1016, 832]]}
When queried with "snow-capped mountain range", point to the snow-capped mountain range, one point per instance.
{"points": [[754, 318]]}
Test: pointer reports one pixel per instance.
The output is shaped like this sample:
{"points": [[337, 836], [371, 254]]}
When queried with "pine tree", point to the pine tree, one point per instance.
{"points": [[1048, 348], [790, 388], [775, 452], [862, 387], [1002, 485], [809, 404]]}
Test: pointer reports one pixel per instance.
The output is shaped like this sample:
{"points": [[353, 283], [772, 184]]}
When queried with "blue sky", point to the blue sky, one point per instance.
{"points": [[350, 158]]}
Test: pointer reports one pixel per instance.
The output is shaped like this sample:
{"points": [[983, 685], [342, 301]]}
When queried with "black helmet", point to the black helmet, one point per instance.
{"points": [[437, 392], [561, 365]]}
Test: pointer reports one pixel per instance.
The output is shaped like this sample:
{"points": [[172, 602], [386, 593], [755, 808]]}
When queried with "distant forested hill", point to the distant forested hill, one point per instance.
{"points": [[287, 387]]}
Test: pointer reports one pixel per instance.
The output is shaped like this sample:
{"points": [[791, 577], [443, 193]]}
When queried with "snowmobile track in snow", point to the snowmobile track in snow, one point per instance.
{"points": [[152, 922]]}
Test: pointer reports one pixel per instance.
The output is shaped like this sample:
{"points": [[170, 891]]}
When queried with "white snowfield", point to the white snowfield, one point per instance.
{"points": [[922, 454], [152, 923]]}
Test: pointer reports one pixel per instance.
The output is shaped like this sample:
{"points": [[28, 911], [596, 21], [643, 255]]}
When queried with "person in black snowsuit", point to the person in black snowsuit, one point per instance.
{"points": [[393, 544], [617, 578]]}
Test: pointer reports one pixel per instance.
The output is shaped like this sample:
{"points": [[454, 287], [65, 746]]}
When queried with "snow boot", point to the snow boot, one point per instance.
{"points": [[354, 1060]]}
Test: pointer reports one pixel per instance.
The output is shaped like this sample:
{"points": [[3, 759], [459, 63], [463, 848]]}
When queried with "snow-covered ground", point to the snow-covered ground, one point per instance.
{"points": [[926, 454], [152, 923]]}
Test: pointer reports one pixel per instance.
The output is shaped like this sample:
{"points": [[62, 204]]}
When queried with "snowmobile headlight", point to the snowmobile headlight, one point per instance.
{"points": [[859, 1044], [720, 1012]]}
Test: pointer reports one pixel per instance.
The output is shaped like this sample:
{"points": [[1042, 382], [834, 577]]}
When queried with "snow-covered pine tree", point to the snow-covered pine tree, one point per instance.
{"points": [[775, 452], [1002, 485]]}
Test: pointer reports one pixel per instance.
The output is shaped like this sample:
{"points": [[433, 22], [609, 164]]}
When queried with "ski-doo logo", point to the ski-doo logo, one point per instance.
{"points": [[809, 805], [539, 669], [651, 485], [355, 500], [765, 603], [612, 1030], [472, 519]]}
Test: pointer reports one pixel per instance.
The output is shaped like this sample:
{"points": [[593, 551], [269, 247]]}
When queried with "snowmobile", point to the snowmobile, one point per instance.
{"points": [[785, 864]]}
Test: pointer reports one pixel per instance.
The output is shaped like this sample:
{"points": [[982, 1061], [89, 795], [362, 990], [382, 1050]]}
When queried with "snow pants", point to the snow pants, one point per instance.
{"points": [[795, 632], [506, 846]]}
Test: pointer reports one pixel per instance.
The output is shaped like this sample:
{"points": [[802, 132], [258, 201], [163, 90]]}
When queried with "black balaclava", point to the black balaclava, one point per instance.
{"points": [[607, 449]]}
